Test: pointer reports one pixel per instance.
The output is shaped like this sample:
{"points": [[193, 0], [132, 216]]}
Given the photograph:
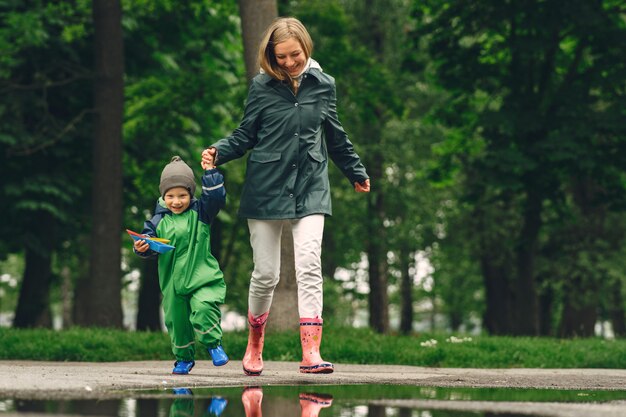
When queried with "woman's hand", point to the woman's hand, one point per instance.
{"points": [[141, 246], [208, 158], [362, 187], [208, 161]]}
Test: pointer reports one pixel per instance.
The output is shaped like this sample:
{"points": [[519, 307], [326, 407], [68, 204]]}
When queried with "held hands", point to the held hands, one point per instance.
{"points": [[141, 246], [208, 159], [362, 187]]}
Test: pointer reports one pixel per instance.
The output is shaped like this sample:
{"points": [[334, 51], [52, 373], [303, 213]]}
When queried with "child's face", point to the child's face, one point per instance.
{"points": [[177, 199]]}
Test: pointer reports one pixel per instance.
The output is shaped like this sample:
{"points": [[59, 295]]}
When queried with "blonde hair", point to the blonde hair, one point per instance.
{"points": [[282, 29]]}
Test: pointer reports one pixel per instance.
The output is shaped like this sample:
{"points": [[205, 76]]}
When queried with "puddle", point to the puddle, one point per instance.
{"points": [[325, 401]]}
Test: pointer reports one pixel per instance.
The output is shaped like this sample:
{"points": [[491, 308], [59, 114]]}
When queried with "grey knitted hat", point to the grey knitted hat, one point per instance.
{"points": [[177, 174]]}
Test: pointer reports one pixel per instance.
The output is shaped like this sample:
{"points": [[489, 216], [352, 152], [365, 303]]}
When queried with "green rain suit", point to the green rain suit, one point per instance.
{"points": [[189, 276]]}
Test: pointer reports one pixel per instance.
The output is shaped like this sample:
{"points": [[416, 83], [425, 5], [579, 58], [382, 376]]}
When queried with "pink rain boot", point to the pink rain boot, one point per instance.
{"points": [[251, 399], [253, 359], [312, 404], [311, 338]]}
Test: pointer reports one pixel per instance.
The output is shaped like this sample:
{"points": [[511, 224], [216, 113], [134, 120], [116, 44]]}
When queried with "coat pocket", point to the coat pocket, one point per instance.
{"points": [[264, 176], [317, 156]]}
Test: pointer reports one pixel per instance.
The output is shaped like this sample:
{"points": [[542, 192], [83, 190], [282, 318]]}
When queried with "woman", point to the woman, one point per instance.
{"points": [[290, 126]]}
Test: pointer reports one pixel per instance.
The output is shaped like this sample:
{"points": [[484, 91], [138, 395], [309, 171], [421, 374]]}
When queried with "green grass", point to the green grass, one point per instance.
{"points": [[341, 345]]}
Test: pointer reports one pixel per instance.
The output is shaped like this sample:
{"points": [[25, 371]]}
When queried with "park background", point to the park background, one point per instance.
{"points": [[493, 132]]}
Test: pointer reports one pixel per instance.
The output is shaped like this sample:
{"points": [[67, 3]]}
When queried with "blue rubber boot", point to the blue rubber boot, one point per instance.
{"points": [[183, 367], [182, 391], [217, 406], [218, 355]]}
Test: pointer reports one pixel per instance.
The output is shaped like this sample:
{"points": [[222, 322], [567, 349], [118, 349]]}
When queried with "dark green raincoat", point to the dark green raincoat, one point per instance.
{"points": [[290, 138]]}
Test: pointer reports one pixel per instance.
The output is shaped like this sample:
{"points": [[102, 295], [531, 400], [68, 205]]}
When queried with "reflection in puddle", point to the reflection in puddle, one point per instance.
{"points": [[314, 401], [252, 401], [310, 403]]}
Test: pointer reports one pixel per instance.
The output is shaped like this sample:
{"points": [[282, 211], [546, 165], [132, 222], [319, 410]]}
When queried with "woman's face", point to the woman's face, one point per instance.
{"points": [[290, 56]]}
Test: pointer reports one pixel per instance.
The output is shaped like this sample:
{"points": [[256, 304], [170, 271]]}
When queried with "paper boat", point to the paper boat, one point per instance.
{"points": [[157, 244]]}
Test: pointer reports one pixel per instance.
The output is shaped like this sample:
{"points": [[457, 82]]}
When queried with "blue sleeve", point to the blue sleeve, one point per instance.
{"points": [[149, 229], [213, 196]]}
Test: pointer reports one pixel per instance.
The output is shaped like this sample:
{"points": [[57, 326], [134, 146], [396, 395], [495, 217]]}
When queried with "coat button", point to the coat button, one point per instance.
{"points": [[296, 104], [293, 166], [290, 195], [295, 134]]}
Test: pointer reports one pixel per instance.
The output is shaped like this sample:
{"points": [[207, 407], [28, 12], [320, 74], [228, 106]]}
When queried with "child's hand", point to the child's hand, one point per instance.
{"points": [[141, 246], [208, 159]]}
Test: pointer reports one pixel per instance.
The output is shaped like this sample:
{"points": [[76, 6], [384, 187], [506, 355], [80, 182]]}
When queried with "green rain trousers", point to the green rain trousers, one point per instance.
{"points": [[194, 316]]}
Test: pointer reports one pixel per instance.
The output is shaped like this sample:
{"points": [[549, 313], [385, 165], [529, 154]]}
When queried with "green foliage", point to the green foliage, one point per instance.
{"points": [[185, 89], [43, 113], [464, 109], [533, 108], [383, 107], [100, 345], [11, 269]]}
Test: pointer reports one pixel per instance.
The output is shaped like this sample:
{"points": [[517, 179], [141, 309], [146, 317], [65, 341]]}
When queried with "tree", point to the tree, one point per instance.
{"points": [[354, 44], [535, 99], [105, 274], [255, 17], [43, 111]]}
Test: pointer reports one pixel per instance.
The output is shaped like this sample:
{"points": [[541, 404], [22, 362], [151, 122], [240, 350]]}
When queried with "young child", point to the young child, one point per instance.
{"points": [[189, 276]]}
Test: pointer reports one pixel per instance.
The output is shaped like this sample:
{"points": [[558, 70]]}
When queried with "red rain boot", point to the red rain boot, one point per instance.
{"points": [[251, 399], [311, 404], [253, 359], [311, 338]]}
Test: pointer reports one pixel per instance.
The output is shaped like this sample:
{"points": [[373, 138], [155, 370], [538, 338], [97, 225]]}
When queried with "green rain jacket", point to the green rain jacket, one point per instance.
{"points": [[191, 265], [290, 138]]}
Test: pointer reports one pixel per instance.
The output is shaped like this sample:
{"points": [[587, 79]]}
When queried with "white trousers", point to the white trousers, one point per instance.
{"points": [[265, 238]]}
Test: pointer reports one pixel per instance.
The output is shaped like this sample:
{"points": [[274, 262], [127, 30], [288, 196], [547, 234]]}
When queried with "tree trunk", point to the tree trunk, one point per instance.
{"points": [[406, 293], [33, 306], [580, 306], [80, 307], [372, 28], [376, 410], [66, 297], [149, 303], [147, 407], [105, 276], [498, 313], [616, 310], [378, 299], [546, 305], [256, 16], [526, 303], [578, 320], [285, 303]]}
